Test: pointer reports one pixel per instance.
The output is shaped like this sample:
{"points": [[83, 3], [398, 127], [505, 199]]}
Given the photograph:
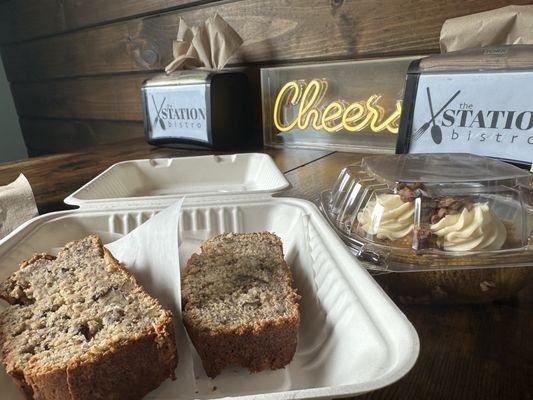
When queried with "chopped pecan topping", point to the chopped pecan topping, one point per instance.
{"points": [[454, 203], [409, 191], [412, 185], [449, 206], [424, 239], [407, 195]]}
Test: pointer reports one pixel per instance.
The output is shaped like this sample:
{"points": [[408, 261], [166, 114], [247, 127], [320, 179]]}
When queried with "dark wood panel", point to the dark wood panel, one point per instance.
{"points": [[309, 182], [105, 98], [113, 98], [49, 136], [271, 29], [54, 177], [468, 352], [23, 20], [30, 18]]}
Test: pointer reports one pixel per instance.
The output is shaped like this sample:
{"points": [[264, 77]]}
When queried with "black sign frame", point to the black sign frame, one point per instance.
{"points": [[405, 131]]}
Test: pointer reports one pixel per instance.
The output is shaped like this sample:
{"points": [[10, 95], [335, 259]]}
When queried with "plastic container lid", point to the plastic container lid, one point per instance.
{"points": [[420, 212], [441, 168]]}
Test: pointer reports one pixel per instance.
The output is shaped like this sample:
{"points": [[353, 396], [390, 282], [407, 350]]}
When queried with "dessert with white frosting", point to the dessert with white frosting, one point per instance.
{"points": [[476, 228], [387, 217], [457, 224], [437, 227], [449, 229]]}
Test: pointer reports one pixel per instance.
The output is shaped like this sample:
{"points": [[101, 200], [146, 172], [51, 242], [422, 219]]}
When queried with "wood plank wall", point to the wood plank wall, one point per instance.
{"points": [[76, 66]]}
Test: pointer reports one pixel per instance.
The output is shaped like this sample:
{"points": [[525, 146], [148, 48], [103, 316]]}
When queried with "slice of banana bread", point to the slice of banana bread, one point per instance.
{"points": [[81, 327], [239, 305]]}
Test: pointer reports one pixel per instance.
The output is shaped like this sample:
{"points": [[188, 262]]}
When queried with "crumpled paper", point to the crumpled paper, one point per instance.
{"points": [[209, 45], [506, 25], [151, 253], [17, 205]]}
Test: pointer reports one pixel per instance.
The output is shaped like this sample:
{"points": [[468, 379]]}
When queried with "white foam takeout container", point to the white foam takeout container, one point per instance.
{"points": [[352, 337]]}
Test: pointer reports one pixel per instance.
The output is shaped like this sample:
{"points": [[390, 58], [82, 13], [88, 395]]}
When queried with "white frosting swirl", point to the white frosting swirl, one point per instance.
{"points": [[475, 229], [387, 217]]}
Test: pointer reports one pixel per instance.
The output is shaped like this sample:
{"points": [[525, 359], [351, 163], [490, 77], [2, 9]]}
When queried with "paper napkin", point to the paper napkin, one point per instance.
{"points": [[209, 45], [506, 25], [17, 205]]}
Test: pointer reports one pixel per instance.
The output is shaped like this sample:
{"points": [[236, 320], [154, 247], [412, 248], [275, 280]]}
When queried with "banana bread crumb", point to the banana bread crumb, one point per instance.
{"points": [[81, 327], [239, 304]]}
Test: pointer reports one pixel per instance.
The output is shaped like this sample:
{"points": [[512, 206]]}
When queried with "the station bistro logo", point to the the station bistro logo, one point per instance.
{"points": [[307, 98], [169, 116], [463, 122]]}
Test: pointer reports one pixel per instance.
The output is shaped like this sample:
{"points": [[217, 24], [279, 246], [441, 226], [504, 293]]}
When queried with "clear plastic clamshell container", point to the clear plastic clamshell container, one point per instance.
{"points": [[437, 227], [352, 337]]}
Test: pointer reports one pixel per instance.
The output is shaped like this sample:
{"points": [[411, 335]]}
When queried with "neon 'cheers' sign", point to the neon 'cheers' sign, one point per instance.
{"points": [[333, 117]]}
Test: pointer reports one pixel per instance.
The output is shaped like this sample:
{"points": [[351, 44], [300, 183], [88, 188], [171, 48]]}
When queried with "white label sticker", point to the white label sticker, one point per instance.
{"points": [[177, 112], [489, 114]]}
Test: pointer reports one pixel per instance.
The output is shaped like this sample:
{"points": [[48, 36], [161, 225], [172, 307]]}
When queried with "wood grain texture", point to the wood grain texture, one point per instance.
{"points": [[30, 18], [115, 104], [54, 177], [308, 183], [116, 98], [111, 98], [273, 30], [50, 136], [23, 20], [45, 70], [468, 352]]}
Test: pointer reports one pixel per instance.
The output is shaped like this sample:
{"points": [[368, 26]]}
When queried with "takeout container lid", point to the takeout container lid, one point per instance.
{"points": [[159, 182], [353, 321], [431, 212]]}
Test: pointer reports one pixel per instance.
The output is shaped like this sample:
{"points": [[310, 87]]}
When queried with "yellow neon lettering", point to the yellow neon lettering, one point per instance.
{"points": [[394, 124], [335, 116], [317, 123], [306, 112], [378, 113], [332, 113], [360, 113], [285, 89]]}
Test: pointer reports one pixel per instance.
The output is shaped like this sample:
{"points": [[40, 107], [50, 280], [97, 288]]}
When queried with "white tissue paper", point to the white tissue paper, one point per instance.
{"points": [[151, 253]]}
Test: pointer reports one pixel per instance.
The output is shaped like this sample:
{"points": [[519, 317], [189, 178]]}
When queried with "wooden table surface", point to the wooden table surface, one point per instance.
{"points": [[467, 351]]}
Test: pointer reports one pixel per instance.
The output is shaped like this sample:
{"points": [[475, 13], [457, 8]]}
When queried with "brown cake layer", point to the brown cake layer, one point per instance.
{"points": [[239, 305], [456, 278], [80, 327]]}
